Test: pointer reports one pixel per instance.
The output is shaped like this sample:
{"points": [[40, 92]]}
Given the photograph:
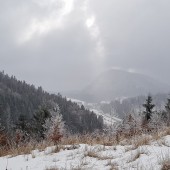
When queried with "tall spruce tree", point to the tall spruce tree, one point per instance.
{"points": [[167, 108], [148, 105], [39, 120]]}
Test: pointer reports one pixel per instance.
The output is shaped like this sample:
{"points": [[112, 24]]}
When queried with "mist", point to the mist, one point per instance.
{"points": [[63, 45]]}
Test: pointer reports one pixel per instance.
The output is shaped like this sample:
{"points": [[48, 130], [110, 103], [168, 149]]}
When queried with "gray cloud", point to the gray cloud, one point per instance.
{"points": [[62, 44], [136, 33]]}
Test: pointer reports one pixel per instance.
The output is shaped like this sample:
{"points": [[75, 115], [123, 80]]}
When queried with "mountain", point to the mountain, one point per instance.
{"points": [[113, 84], [20, 101]]}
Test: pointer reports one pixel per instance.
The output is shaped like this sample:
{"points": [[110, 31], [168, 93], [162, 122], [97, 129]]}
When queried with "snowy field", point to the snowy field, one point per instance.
{"points": [[98, 157]]}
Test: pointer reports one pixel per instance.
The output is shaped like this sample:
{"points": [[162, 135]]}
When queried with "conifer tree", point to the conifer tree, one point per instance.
{"points": [[148, 108], [167, 107], [39, 119]]}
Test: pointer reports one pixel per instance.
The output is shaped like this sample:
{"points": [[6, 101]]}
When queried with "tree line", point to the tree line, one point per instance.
{"points": [[149, 111], [25, 107]]}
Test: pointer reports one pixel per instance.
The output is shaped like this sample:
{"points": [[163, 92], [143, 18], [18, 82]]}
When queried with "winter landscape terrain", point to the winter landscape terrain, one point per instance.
{"points": [[84, 85], [58, 133], [144, 154]]}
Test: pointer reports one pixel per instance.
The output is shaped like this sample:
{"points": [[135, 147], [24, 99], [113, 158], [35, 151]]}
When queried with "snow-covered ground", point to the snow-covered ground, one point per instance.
{"points": [[98, 157]]}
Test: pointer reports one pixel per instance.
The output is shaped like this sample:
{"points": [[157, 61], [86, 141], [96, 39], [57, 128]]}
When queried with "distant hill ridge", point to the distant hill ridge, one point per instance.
{"points": [[113, 84]]}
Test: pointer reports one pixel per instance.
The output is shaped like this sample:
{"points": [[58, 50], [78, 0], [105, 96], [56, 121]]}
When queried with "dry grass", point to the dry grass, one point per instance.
{"points": [[100, 139], [52, 168], [161, 132], [24, 148], [105, 157], [91, 139], [166, 131], [136, 137], [112, 165], [94, 153], [123, 138], [106, 140], [141, 140], [166, 164]]}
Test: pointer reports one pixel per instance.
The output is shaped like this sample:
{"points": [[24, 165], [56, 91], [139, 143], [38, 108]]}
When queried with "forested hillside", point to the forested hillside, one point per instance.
{"points": [[20, 102], [122, 107]]}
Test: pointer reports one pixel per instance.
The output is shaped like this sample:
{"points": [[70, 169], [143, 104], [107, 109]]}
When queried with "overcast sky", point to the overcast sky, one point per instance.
{"points": [[63, 44]]}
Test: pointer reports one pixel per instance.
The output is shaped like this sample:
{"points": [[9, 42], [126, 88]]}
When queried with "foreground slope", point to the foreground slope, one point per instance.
{"points": [[152, 155]]}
